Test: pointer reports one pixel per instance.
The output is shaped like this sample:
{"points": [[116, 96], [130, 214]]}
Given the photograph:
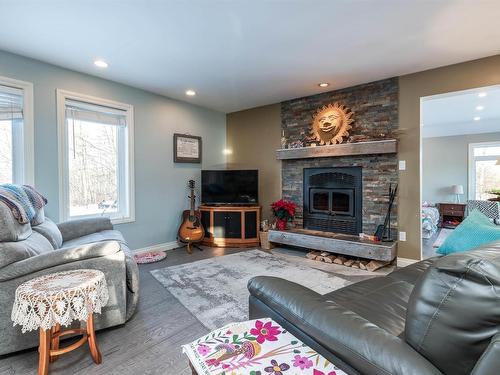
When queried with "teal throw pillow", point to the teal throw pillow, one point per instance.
{"points": [[474, 231]]}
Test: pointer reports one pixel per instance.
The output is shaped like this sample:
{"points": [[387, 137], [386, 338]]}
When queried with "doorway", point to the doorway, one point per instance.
{"points": [[459, 159]]}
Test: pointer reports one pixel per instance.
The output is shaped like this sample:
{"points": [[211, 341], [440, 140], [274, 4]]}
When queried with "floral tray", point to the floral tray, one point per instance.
{"points": [[255, 347]]}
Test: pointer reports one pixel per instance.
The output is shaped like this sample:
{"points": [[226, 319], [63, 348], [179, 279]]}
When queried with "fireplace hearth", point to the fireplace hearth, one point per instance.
{"points": [[333, 199]]}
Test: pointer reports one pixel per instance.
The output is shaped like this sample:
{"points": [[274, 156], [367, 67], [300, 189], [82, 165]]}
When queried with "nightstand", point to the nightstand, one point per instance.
{"points": [[451, 214]]}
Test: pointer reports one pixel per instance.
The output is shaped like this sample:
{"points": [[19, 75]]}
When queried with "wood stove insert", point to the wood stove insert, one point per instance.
{"points": [[333, 199]]}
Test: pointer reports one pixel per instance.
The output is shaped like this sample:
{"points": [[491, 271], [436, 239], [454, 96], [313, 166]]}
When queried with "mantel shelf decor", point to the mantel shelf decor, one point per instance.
{"points": [[386, 146]]}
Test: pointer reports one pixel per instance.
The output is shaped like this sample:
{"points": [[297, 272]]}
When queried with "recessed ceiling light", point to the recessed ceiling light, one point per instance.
{"points": [[482, 94], [477, 118], [100, 63], [479, 108], [323, 84], [190, 92]]}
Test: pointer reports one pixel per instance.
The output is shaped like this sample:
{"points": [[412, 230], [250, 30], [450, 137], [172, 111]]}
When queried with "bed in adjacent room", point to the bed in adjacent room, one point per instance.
{"points": [[430, 220]]}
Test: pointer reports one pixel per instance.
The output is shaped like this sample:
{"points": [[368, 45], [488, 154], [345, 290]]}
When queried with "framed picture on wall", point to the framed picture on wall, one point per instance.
{"points": [[187, 148]]}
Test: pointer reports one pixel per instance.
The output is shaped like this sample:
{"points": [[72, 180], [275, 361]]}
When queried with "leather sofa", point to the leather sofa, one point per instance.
{"points": [[42, 247], [437, 316]]}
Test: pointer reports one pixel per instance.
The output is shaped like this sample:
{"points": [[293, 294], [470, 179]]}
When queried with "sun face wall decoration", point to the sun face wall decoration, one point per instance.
{"points": [[331, 124]]}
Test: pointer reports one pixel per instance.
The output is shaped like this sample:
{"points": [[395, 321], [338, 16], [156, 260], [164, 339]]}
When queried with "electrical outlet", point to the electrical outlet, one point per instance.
{"points": [[402, 236], [402, 165]]}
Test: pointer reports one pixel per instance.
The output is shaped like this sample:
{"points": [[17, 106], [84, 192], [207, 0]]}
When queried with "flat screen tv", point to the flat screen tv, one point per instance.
{"points": [[229, 187]]}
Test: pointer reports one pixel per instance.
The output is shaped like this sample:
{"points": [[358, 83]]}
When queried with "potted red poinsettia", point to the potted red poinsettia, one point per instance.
{"points": [[283, 211]]}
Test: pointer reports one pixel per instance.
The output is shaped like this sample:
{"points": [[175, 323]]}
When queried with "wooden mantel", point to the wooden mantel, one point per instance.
{"points": [[386, 146]]}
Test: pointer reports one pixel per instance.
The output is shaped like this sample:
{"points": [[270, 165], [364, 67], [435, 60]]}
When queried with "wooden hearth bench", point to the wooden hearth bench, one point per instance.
{"points": [[336, 243]]}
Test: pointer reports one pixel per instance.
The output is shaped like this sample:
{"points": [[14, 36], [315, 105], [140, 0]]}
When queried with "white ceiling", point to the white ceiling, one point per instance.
{"points": [[241, 54], [454, 113]]}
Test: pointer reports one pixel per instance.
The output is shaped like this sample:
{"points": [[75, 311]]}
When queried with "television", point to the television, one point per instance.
{"points": [[238, 187]]}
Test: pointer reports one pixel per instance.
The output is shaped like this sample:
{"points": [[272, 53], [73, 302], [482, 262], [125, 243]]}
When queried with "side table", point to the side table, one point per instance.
{"points": [[452, 214], [51, 301]]}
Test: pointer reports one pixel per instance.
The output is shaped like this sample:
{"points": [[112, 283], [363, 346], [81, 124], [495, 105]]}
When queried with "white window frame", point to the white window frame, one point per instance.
{"points": [[62, 96], [472, 165], [25, 158]]}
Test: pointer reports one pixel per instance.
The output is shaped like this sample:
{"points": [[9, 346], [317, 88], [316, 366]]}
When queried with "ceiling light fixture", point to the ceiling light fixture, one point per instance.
{"points": [[323, 84], [190, 92], [479, 108], [477, 118], [100, 63], [482, 94]]}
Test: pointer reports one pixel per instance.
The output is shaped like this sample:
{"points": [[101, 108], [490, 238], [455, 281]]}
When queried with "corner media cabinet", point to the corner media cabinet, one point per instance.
{"points": [[230, 226]]}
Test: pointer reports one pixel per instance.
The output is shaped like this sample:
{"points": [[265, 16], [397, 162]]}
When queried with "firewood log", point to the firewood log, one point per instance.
{"points": [[313, 254], [348, 262], [329, 258], [340, 260], [375, 265]]}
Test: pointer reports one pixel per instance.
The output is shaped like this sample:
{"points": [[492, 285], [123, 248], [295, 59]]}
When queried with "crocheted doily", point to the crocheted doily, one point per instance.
{"points": [[59, 298]]}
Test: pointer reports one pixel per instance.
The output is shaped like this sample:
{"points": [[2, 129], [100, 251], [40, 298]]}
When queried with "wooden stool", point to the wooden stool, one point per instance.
{"points": [[49, 350], [47, 302]]}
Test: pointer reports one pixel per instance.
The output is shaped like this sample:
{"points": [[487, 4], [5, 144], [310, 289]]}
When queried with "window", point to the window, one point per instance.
{"points": [[96, 157], [484, 170], [16, 131]]}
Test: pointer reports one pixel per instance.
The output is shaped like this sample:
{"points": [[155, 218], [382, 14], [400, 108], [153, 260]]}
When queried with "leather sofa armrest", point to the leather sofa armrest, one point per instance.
{"points": [[489, 362], [77, 228], [356, 341], [284, 294], [58, 257]]}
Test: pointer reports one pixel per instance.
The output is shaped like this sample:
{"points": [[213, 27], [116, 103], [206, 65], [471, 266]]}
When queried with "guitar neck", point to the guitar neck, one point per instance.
{"points": [[191, 210]]}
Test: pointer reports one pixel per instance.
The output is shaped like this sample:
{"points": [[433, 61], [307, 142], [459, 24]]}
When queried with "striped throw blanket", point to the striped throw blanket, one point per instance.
{"points": [[24, 201]]}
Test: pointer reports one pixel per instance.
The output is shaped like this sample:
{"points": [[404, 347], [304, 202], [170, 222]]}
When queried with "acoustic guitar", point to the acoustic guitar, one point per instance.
{"points": [[191, 230]]}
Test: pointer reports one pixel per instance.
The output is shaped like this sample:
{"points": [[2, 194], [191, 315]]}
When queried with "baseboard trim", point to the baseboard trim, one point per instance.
{"points": [[158, 247], [403, 262]]}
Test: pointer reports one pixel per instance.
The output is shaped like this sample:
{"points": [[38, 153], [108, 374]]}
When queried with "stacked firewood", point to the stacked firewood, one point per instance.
{"points": [[364, 264]]}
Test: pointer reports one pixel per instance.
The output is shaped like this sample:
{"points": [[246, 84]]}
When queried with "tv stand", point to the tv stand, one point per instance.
{"points": [[228, 205], [230, 226]]}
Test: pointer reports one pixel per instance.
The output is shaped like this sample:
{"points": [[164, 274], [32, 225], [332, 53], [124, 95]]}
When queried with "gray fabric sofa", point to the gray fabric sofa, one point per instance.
{"points": [[42, 247], [438, 316]]}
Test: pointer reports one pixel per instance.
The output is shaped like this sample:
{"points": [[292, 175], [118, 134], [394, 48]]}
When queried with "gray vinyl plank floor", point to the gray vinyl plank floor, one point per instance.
{"points": [[150, 342]]}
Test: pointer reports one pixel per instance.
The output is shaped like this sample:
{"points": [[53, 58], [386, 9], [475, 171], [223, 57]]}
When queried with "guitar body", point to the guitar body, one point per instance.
{"points": [[191, 229]]}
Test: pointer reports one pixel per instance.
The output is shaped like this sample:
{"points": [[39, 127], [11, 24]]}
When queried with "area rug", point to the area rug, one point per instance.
{"points": [[215, 290], [443, 234], [149, 257]]}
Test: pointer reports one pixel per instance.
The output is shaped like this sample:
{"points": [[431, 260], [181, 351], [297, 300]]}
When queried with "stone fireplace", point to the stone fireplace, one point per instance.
{"points": [[344, 193], [332, 199], [377, 172]]}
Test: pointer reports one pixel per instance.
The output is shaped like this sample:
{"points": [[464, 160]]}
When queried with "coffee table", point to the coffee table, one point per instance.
{"points": [[255, 347]]}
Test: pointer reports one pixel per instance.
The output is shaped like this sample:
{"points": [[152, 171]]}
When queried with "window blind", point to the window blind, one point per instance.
{"points": [[11, 103], [81, 111]]}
